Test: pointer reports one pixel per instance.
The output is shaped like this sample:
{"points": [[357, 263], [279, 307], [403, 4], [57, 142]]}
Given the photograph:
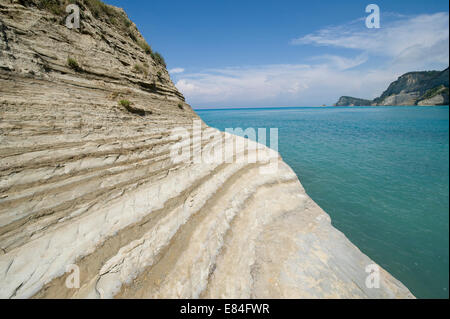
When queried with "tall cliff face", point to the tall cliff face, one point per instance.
{"points": [[88, 182], [410, 87], [413, 88]]}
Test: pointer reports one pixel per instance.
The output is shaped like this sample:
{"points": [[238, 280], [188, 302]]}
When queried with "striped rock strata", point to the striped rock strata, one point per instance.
{"points": [[86, 181]]}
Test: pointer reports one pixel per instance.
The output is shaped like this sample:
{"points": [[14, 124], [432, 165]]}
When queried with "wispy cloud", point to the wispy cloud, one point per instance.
{"points": [[341, 63], [405, 39], [176, 70], [379, 57]]}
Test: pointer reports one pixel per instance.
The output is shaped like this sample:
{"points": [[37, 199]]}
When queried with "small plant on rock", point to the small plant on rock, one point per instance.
{"points": [[141, 68], [158, 58], [73, 64], [144, 46], [125, 103]]}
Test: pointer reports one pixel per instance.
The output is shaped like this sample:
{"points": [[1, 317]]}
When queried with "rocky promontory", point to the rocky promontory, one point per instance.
{"points": [[413, 88], [352, 101], [89, 119]]}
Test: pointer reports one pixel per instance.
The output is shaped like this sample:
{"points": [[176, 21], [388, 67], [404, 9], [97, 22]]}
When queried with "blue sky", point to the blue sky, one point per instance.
{"points": [[289, 53]]}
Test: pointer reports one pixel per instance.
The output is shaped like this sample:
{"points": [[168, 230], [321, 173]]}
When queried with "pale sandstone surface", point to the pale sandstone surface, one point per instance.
{"points": [[85, 181], [435, 100]]}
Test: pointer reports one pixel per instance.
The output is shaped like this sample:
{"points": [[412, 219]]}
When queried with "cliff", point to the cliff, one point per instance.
{"points": [[435, 96], [87, 180], [413, 88]]}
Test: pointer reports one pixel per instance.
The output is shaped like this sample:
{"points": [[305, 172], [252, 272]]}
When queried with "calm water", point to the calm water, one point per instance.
{"points": [[382, 173]]}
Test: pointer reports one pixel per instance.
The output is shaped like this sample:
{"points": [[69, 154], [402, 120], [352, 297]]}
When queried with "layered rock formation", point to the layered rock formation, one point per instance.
{"points": [[89, 122], [434, 96], [413, 88]]}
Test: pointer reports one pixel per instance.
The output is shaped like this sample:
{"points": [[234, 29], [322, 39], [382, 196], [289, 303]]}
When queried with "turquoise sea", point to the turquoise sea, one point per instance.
{"points": [[381, 173]]}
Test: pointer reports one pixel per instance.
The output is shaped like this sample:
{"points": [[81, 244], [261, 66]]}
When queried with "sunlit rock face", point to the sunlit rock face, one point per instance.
{"points": [[426, 88], [89, 185]]}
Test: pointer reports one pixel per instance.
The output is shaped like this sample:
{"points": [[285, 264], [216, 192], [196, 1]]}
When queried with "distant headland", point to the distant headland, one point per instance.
{"points": [[424, 88]]}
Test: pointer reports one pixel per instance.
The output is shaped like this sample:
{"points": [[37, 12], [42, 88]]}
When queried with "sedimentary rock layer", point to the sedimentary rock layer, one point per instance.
{"points": [[88, 181]]}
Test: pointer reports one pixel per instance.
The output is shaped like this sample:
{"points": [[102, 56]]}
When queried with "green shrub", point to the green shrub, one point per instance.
{"points": [[434, 91], [141, 68], [158, 58], [127, 23], [144, 46], [73, 64], [112, 15], [125, 103], [98, 8], [54, 6], [180, 106], [135, 110], [132, 36]]}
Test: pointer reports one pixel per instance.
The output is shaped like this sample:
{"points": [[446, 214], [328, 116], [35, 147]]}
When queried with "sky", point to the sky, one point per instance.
{"points": [[265, 53]]}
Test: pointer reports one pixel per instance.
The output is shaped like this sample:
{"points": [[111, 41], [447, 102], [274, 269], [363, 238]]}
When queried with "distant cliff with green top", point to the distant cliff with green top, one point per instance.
{"points": [[413, 88]]}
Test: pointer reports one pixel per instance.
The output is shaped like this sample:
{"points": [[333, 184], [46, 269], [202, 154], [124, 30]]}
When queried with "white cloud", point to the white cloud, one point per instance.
{"points": [[342, 63], [408, 44], [282, 85], [406, 39], [176, 70]]}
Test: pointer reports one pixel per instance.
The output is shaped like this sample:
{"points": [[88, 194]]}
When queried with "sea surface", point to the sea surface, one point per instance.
{"points": [[381, 173]]}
